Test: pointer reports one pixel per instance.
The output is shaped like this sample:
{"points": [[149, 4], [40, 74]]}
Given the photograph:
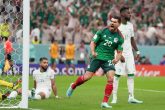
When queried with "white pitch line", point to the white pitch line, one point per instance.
{"points": [[149, 90]]}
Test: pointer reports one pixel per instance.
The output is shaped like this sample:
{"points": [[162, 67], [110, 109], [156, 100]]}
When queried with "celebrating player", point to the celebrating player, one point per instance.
{"points": [[128, 66], [103, 46]]}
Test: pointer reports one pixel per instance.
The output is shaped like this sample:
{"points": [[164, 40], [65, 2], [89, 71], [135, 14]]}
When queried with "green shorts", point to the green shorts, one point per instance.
{"points": [[95, 64], [69, 62], [53, 61]]}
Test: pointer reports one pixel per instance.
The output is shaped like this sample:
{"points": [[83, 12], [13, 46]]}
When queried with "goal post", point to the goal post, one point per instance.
{"points": [[26, 36]]}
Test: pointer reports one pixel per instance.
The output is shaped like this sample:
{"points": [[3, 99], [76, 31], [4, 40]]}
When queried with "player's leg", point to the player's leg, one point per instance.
{"points": [[91, 69], [53, 65], [67, 64], [109, 69], [5, 83], [130, 67], [120, 70], [108, 89], [14, 85]]}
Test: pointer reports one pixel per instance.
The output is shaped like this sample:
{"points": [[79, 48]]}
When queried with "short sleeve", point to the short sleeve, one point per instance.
{"points": [[52, 74], [97, 36]]}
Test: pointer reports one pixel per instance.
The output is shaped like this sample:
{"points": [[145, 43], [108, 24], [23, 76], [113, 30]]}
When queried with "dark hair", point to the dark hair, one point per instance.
{"points": [[123, 8], [43, 58], [117, 17]]}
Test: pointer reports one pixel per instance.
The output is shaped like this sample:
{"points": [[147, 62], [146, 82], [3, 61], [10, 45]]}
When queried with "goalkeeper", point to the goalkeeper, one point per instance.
{"points": [[14, 86]]}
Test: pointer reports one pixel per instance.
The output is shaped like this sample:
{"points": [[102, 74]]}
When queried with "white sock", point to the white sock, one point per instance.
{"points": [[130, 84], [29, 94], [115, 85], [13, 94], [38, 97]]}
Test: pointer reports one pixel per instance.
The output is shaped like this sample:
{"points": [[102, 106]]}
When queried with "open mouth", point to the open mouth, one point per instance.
{"points": [[112, 26]]}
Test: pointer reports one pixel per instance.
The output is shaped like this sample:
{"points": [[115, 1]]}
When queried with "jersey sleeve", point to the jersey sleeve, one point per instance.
{"points": [[97, 36], [120, 44], [52, 74]]}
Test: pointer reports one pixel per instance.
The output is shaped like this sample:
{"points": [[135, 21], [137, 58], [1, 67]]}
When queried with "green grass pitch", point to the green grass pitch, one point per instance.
{"points": [[89, 95]]}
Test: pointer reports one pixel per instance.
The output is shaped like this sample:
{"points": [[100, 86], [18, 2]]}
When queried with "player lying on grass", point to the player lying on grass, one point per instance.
{"points": [[11, 85], [44, 82], [103, 47]]}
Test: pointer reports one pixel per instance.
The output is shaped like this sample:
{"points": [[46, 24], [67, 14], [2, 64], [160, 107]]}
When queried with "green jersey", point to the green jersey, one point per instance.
{"points": [[106, 44]]}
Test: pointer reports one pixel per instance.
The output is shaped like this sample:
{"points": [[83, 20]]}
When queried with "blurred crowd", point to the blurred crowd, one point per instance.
{"points": [[80, 19], [11, 18]]}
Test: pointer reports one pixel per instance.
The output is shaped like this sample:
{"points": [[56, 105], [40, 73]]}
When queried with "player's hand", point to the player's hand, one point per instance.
{"points": [[94, 54], [137, 57], [122, 59], [57, 97], [114, 61]]}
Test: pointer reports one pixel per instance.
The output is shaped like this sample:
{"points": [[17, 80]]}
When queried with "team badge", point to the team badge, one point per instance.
{"points": [[115, 40], [104, 36]]}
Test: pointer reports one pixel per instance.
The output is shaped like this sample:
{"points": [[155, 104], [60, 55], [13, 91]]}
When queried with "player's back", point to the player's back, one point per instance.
{"points": [[43, 79]]}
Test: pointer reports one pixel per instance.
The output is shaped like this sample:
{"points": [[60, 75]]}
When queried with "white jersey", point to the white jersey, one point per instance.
{"points": [[127, 32], [43, 79]]}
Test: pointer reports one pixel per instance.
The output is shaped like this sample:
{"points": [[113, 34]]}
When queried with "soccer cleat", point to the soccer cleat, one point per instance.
{"points": [[133, 100], [16, 84], [105, 105], [114, 99], [33, 93], [69, 91]]}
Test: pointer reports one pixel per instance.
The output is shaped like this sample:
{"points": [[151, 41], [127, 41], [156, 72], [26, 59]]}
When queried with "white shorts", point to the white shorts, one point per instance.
{"points": [[128, 67], [47, 91]]}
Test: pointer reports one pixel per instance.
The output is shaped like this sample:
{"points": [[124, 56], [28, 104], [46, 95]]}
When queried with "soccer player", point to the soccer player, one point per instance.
{"points": [[70, 54], [44, 81], [128, 64], [54, 53], [103, 46]]}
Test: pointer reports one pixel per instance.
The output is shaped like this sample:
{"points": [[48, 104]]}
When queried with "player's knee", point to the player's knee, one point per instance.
{"points": [[42, 95], [88, 75]]}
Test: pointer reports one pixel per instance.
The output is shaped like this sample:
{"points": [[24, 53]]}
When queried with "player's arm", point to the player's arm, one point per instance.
{"points": [[118, 57], [95, 39], [119, 51], [54, 88], [92, 46], [133, 44], [35, 84]]}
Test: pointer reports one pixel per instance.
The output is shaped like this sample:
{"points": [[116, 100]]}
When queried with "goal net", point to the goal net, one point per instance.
{"points": [[14, 52]]}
